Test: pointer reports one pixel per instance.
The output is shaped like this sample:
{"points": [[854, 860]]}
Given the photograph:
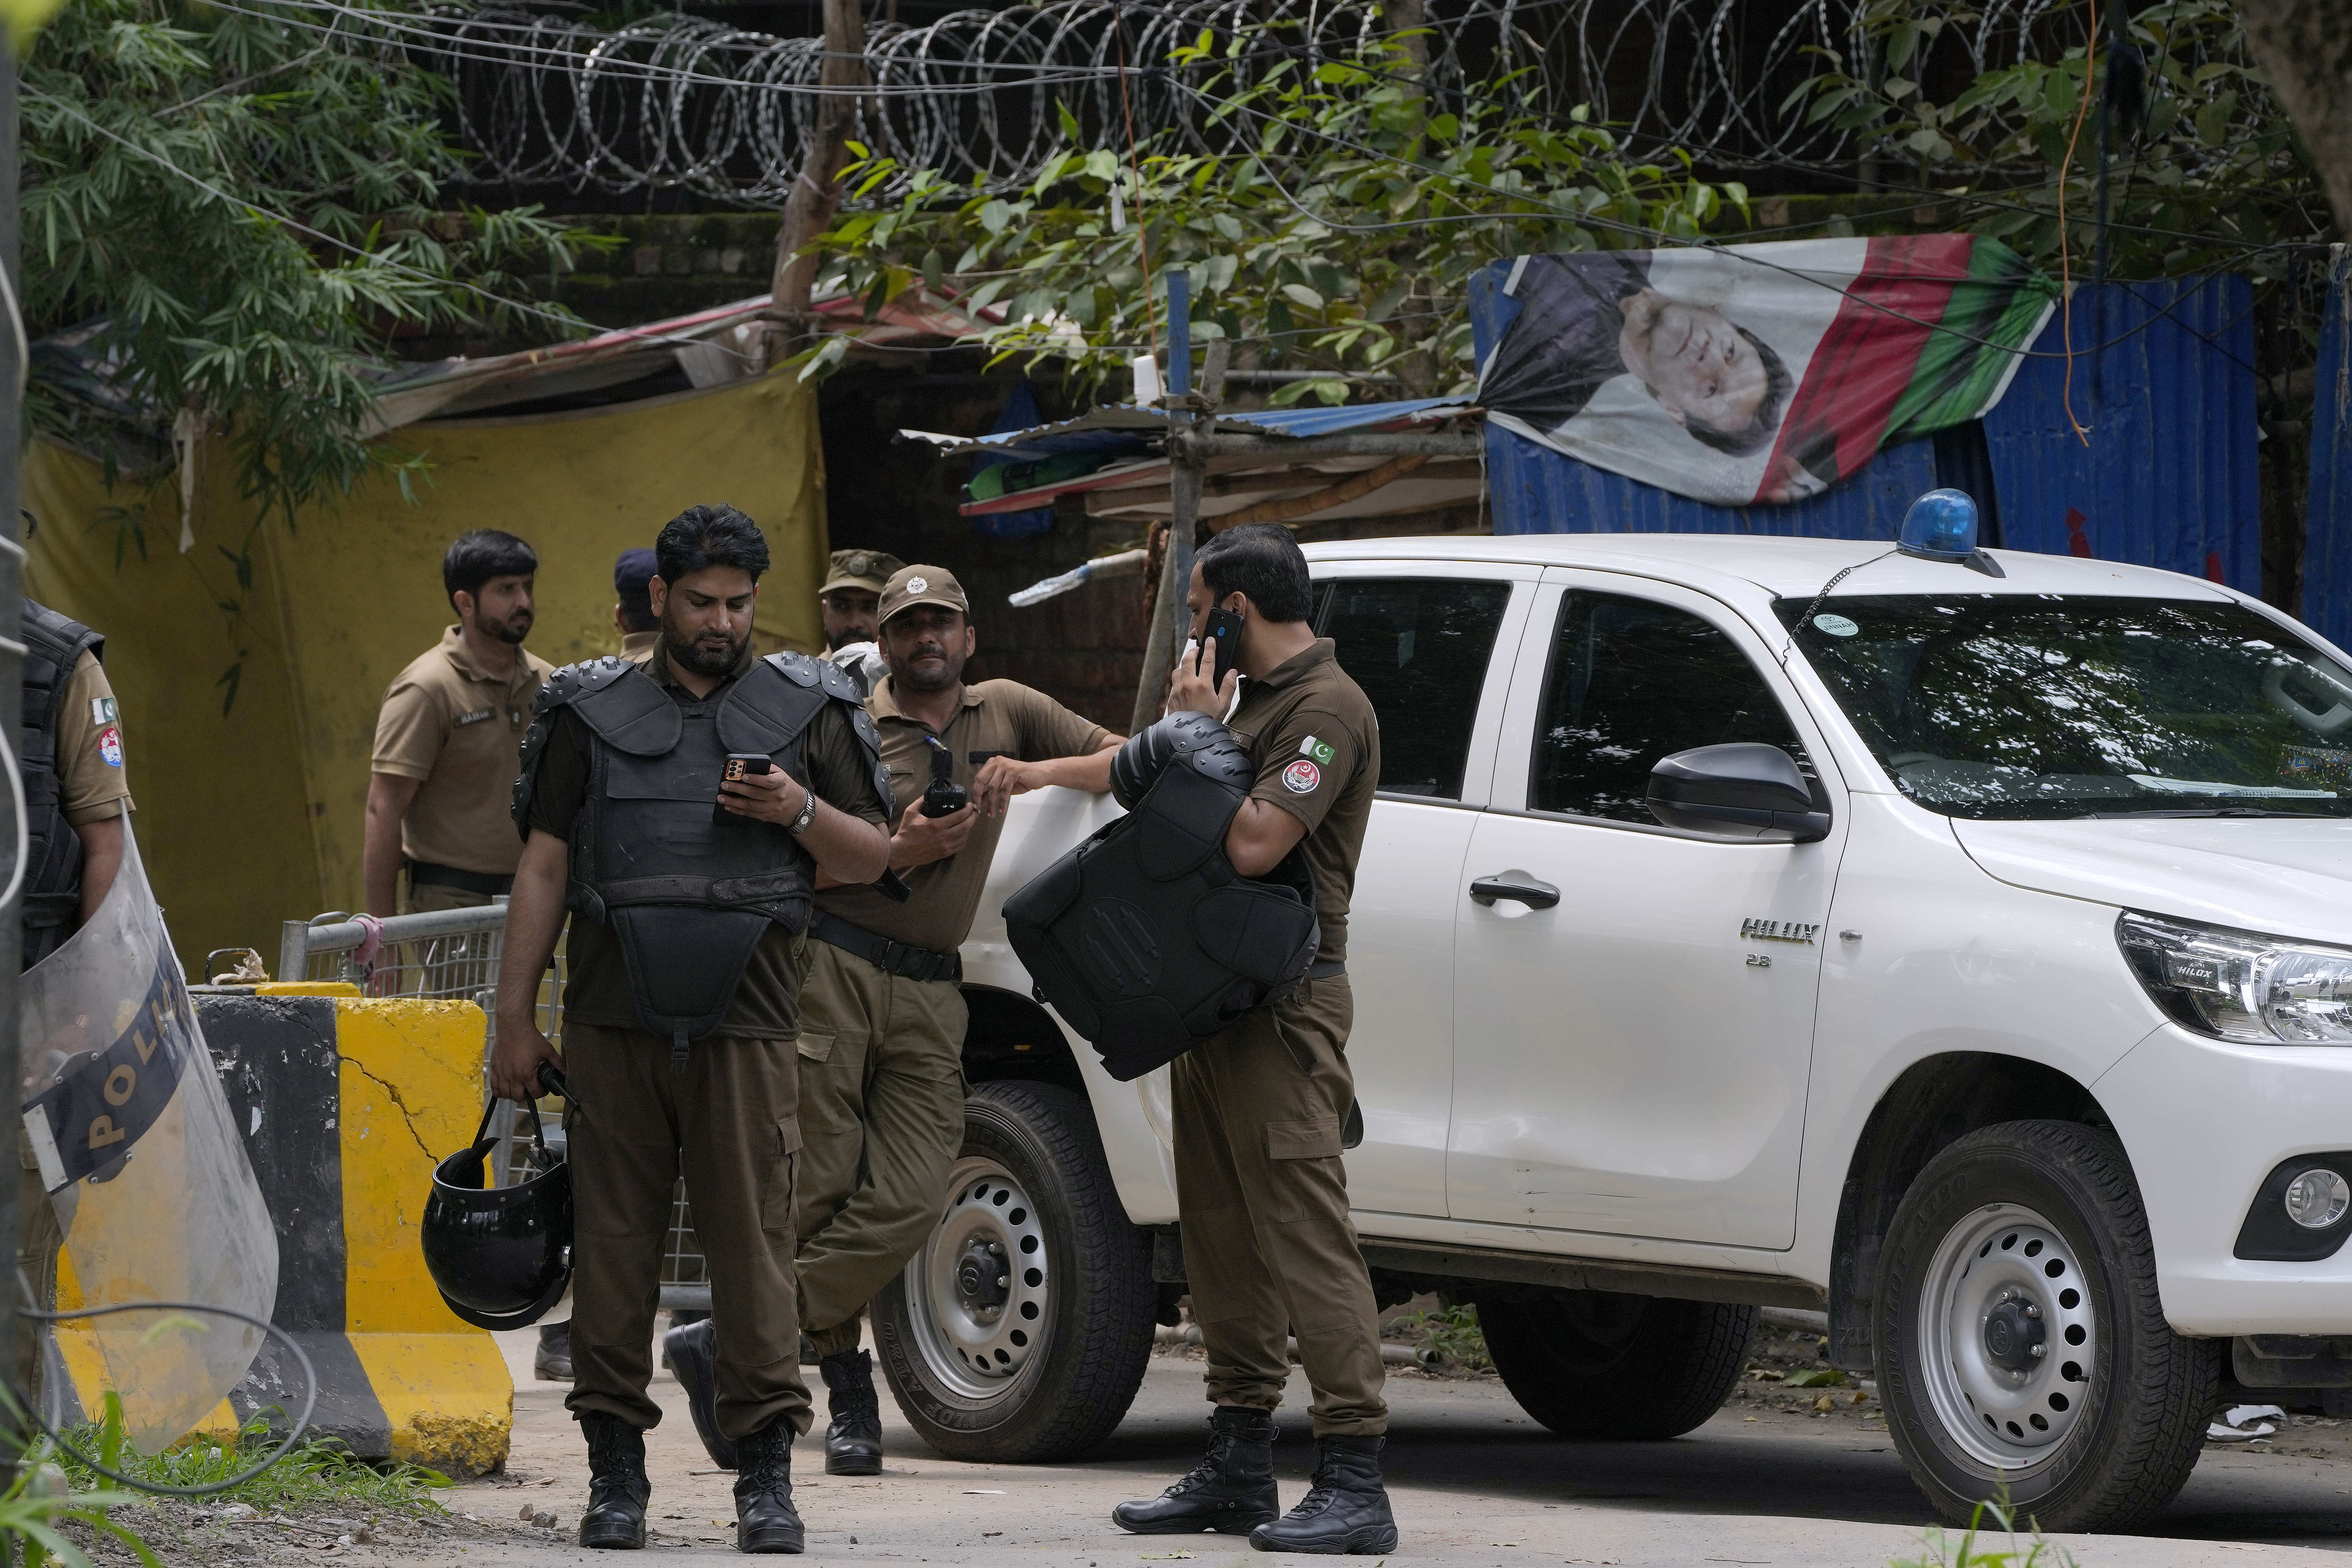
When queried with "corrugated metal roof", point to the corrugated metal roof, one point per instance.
{"points": [[2327, 528], [2163, 377], [1126, 428]]}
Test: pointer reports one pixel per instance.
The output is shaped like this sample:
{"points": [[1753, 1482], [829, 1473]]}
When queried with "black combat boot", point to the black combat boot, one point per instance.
{"points": [[1345, 1509], [617, 1486], [853, 1443], [1231, 1491], [765, 1519], [687, 1352]]}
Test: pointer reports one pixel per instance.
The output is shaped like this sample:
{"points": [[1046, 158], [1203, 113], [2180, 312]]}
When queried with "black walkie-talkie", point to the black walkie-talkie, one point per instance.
{"points": [[945, 796]]}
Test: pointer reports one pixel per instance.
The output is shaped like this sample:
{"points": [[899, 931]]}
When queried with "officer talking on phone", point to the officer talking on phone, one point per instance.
{"points": [[1259, 1109], [683, 809]]}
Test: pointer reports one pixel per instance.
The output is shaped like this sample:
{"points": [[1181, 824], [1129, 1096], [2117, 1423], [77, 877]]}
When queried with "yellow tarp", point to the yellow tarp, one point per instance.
{"points": [[255, 816]]}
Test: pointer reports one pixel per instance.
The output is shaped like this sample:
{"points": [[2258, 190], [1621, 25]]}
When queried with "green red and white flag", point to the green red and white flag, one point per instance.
{"points": [[1735, 374]]}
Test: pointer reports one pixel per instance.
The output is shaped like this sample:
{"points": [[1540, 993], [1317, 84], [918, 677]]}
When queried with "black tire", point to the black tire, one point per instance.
{"points": [[1599, 1364], [2100, 1430], [1072, 1364]]}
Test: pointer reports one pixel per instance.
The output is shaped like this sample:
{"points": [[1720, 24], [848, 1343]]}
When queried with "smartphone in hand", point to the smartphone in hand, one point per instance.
{"points": [[740, 766], [1223, 633]]}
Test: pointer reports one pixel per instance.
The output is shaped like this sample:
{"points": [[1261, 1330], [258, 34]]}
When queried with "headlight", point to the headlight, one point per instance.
{"points": [[2234, 985]]}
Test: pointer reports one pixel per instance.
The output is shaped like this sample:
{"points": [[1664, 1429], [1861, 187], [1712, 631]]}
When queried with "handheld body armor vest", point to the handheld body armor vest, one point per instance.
{"points": [[688, 896], [1144, 936], [52, 854]]}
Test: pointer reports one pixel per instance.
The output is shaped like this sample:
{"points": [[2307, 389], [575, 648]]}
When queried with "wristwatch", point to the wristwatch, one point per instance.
{"points": [[800, 824]]}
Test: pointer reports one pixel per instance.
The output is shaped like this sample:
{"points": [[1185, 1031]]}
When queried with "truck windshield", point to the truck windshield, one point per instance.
{"points": [[2016, 705]]}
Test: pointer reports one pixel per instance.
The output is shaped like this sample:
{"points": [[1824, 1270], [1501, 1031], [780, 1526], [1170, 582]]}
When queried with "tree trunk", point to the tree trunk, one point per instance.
{"points": [[817, 193], [2305, 47]]}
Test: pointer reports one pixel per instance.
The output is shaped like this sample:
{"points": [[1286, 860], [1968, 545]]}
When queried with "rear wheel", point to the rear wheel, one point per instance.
{"points": [[1595, 1363], [1021, 1331], [2020, 1342]]}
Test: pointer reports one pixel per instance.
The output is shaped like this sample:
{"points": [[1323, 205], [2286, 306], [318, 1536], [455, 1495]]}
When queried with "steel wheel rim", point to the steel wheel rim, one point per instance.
{"points": [[2004, 1280], [976, 1336]]}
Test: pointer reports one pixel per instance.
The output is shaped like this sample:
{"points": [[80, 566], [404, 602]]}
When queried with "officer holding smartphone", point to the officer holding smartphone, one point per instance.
{"points": [[882, 1025], [1260, 1108]]}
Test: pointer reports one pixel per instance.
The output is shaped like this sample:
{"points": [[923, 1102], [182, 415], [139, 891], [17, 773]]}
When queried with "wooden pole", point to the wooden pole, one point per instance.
{"points": [[816, 191]]}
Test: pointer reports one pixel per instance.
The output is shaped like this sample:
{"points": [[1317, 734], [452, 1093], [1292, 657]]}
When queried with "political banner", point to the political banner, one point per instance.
{"points": [[1737, 374], [124, 1114]]}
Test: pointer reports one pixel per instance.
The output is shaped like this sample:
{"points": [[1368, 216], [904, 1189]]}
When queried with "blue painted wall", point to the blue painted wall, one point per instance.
{"points": [[2327, 536], [2163, 378]]}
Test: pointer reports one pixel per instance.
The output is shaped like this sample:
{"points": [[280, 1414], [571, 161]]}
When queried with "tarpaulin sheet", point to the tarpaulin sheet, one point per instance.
{"points": [[254, 810]]}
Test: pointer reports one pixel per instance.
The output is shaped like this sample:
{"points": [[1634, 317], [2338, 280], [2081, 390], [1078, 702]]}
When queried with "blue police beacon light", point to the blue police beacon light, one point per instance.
{"points": [[1940, 526]]}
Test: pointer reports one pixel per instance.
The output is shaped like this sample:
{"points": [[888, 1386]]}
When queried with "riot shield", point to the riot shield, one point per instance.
{"points": [[143, 1164]]}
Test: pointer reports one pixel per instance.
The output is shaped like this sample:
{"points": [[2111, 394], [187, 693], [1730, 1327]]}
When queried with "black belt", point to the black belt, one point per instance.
{"points": [[425, 874], [1326, 969], [891, 957]]}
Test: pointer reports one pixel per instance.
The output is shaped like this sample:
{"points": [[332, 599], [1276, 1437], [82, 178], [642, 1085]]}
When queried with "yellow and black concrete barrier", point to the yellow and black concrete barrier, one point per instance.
{"points": [[345, 1104]]}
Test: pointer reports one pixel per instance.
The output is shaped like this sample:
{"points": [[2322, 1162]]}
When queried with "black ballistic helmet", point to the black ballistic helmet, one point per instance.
{"points": [[501, 1255]]}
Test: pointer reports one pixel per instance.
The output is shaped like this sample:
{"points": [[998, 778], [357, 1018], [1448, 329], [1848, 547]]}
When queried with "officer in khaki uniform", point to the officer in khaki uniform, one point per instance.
{"points": [[632, 606], [450, 737], [1260, 1108], [882, 1029], [691, 885], [849, 603], [76, 801]]}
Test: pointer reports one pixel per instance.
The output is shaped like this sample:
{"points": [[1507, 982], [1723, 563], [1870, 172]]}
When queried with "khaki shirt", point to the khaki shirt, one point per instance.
{"points": [[91, 786], [639, 646], [1316, 743], [458, 731], [996, 716]]}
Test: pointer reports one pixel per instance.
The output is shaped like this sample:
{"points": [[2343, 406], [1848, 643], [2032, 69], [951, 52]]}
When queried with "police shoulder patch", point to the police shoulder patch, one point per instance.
{"points": [[1302, 777]]}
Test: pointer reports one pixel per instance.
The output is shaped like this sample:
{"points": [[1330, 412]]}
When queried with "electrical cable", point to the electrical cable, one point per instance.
{"points": [[293, 1434]]}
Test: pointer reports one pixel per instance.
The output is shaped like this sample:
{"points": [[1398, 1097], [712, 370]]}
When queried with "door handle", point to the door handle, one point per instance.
{"points": [[1517, 886]]}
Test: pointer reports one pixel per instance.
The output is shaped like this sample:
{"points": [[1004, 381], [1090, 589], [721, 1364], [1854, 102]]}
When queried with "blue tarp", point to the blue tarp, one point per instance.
{"points": [[2327, 528], [2163, 376]]}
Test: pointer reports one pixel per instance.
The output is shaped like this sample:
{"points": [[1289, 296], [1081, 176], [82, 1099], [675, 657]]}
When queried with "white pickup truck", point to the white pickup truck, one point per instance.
{"points": [[1993, 992]]}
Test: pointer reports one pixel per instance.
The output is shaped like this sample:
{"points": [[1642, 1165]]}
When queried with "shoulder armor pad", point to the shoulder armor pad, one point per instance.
{"points": [[635, 716], [837, 682], [797, 668], [1224, 760], [576, 680]]}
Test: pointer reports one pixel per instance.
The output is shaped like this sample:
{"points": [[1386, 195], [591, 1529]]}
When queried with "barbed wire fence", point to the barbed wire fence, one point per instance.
{"points": [[688, 104]]}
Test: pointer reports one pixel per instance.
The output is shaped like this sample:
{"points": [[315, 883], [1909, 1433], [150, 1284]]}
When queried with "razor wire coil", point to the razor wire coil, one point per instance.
{"points": [[692, 104]]}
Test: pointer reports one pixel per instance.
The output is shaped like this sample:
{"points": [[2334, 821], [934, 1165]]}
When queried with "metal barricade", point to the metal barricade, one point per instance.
{"points": [[453, 955]]}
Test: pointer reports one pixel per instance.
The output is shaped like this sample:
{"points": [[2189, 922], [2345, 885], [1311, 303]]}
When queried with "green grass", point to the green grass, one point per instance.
{"points": [[317, 1473], [1990, 1541], [1453, 1333]]}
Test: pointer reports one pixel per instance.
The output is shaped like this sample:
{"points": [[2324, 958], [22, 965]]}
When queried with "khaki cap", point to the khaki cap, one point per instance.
{"points": [[867, 569], [912, 585]]}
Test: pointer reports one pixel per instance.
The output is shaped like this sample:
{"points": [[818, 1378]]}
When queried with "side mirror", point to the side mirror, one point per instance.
{"points": [[1743, 785]]}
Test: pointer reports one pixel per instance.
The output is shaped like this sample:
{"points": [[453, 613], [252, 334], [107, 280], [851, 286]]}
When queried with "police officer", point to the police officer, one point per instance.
{"points": [[882, 1024], [69, 755], [632, 606], [1259, 1109], [449, 735], [683, 998], [849, 603]]}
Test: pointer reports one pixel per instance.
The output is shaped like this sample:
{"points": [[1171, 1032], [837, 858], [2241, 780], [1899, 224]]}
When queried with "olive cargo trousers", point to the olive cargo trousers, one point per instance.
{"points": [[1263, 1198], [726, 1124], [881, 1122]]}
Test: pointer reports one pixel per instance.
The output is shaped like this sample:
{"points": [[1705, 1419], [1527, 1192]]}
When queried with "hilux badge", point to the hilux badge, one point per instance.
{"points": [[1754, 929]]}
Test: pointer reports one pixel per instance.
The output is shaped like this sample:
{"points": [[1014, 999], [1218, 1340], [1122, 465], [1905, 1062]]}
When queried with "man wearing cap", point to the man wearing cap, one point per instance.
{"points": [[882, 1023], [633, 607], [848, 602]]}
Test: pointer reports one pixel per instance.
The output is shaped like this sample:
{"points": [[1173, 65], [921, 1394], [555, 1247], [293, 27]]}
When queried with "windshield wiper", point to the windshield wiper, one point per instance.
{"points": [[2201, 811]]}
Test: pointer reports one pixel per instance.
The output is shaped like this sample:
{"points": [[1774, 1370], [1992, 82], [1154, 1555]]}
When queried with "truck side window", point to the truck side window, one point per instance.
{"points": [[1419, 647], [1632, 681]]}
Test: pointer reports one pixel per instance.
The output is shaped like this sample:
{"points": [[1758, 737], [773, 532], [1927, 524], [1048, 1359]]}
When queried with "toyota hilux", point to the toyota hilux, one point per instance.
{"points": [[1959, 948]]}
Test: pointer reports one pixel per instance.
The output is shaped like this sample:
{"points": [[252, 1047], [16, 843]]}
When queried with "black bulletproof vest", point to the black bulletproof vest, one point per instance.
{"points": [[52, 896], [1144, 936], [688, 896]]}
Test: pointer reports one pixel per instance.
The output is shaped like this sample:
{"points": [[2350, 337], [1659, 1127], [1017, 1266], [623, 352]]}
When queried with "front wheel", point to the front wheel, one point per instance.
{"points": [[1021, 1331], [2020, 1342]]}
